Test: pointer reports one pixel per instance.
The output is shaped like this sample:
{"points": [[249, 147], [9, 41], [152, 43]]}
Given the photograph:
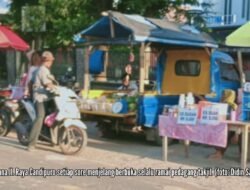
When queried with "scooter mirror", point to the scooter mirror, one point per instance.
{"points": [[69, 69]]}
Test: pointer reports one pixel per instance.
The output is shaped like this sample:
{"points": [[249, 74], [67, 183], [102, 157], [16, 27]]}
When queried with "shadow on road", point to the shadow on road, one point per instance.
{"points": [[136, 145], [11, 142]]}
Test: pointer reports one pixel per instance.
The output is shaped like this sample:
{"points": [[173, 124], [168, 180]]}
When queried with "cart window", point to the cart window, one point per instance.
{"points": [[187, 68], [229, 72]]}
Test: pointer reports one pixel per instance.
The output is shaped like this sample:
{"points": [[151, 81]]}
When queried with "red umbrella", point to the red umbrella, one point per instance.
{"points": [[9, 39]]}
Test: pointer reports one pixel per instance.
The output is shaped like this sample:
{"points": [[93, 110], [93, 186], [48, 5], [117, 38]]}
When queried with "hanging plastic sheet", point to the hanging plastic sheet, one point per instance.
{"points": [[96, 62]]}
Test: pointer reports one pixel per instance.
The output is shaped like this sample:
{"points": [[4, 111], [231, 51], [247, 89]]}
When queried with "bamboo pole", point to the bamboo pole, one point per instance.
{"points": [[147, 56], [106, 62], [112, 29], [240, 65], [245, 139], [208, 51], [142, 68], [86, 72]]}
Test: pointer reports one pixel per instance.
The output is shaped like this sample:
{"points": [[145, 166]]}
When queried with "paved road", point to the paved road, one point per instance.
{"points": [[109, 154]]}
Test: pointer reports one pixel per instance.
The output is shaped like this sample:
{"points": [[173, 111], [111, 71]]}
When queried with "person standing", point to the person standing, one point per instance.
{"points": [[35, 63], [126, 77], [228, 97], [43, 82]]}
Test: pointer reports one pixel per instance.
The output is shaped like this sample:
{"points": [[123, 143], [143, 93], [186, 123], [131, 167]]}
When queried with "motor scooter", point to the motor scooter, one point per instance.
{"points": [[69, 80], [4, 118], [12, 109], [62, 126]]}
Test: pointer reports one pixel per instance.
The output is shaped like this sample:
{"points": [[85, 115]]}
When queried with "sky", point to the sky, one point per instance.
{"points": [[4, 6]]}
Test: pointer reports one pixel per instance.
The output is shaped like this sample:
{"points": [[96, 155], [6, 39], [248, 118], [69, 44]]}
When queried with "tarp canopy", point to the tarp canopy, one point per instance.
{"points": [[9, 39], [240, 37], [135, 28]]}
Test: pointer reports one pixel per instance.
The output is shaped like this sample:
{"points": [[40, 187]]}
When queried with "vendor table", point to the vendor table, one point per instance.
{"points": [[194, 133], [242, 127]]}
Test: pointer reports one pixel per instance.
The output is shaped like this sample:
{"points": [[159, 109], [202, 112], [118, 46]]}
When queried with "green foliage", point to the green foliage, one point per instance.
{"points": [[150, 8], [64, 18], [33, 19]]}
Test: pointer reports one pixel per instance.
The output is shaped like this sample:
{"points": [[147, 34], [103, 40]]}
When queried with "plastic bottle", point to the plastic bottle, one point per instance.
{"points": [[190, 99], [182, 101]]}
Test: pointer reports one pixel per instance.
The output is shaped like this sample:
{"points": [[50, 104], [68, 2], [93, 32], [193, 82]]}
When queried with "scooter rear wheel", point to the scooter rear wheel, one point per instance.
{"points": [[4, 123], [72, 139]]}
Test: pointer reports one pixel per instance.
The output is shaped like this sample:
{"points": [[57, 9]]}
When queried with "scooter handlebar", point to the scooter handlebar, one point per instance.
{"points": [[54, 90]]}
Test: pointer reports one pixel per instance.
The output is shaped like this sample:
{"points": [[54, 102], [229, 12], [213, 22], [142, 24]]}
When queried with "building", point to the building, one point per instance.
{"points": [[222, 16], [226, 16], [228, 13]]}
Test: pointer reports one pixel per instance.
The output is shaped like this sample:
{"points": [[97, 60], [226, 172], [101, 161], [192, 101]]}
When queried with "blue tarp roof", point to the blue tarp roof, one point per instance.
{"points": [[141, 29]]}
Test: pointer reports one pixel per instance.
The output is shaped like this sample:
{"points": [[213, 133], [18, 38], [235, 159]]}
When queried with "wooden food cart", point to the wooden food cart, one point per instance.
{"points": [[177, 50]]}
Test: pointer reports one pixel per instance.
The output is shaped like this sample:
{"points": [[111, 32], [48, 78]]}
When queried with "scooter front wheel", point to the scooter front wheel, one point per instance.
{"points": [[72, 139]]}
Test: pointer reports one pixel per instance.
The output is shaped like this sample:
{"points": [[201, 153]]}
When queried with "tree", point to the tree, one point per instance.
{"points": [[15, 18], [64, 18], [151, 8], [199, 19]]}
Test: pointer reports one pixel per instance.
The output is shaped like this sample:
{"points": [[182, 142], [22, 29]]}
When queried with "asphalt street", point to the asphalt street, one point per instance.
{"points": [[108, 164]]}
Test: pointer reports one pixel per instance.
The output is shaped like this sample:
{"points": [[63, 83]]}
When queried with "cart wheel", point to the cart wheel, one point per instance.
{"points": [[158, 138], [106, 131], [152, 135]]}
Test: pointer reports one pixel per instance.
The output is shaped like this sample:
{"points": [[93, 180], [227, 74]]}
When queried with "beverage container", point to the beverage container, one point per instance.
{"points": [[182, 101], [190, 99]]}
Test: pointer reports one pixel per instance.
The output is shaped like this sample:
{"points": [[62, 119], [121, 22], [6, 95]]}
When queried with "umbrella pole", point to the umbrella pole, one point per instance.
{"points": [[240, 65]]}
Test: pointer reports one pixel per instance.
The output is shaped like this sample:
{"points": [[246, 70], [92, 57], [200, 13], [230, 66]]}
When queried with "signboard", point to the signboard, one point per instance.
{"points": [[246, 87], [209, 115], [187, 116]]}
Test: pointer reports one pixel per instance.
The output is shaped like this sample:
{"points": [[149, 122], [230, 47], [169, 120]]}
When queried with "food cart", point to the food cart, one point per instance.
{"points": [[185, 62]]}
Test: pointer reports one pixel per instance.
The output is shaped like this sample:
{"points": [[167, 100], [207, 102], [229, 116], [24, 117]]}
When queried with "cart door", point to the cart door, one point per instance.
{"points": [[186, 71]]}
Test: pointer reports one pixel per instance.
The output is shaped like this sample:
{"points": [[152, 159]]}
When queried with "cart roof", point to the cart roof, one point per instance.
{"points": [[137, 29]]}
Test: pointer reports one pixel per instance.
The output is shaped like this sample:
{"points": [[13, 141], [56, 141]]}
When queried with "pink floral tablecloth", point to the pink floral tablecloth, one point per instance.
{"points": [[206, 134]]}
